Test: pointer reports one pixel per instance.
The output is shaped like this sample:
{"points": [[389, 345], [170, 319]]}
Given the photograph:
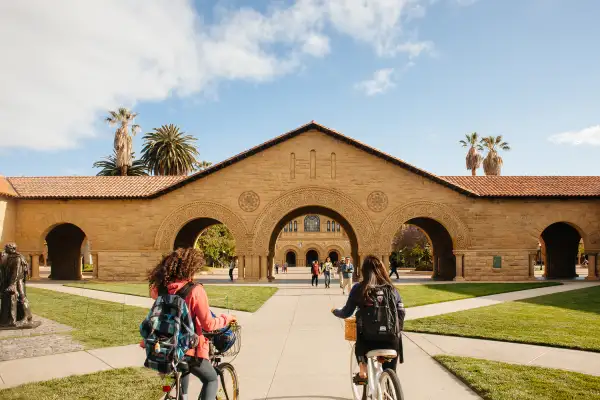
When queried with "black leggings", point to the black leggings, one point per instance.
{"points": [[204, 370], [364, 346], [315, 280]]}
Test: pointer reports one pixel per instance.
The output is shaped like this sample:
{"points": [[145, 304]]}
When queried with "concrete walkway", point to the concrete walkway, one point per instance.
{"points": [[293, 348], [515, 353]]}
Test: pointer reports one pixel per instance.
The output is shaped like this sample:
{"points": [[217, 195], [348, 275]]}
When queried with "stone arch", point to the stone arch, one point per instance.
{"points": [[339, 249], [53, 220], [312, 196], [313, 246], [178, 218], [64, 243], [589, 232], [439, 212]]}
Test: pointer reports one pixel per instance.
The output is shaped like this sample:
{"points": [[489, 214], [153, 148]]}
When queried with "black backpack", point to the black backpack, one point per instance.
{"points": [[378, 320]]}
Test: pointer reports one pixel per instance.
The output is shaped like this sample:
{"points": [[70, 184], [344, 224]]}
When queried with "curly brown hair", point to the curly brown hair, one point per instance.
{"points": [[179, 265]]}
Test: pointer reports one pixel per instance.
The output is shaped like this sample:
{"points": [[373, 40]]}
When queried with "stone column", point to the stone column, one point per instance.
{"points": [[263, 267], [460, 266], [252, 268], [592, 270], [531, 265], [95, 264], [80, 269], [35, 266], [386, 262]]}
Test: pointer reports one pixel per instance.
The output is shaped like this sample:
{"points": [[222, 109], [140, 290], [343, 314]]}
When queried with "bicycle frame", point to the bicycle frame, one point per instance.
{"points": [[374, 371]]}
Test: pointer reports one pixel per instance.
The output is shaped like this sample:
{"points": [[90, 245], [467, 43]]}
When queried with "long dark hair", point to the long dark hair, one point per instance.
{"points": [[179, 265], [373, 273]]}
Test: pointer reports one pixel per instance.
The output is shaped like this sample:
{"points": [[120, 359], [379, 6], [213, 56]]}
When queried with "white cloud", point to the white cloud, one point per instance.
{"points": [[381, 82], [590, 135], [66, 62]]}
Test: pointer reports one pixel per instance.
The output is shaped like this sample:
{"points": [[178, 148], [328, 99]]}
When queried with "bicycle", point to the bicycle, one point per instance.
{"points": [[228, 380], [386, 385]]}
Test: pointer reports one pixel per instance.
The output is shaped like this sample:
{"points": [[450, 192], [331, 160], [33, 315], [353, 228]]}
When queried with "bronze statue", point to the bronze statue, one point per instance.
{"points": [[14, 307]]}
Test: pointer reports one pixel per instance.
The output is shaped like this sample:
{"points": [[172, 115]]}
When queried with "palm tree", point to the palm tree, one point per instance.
{"points": [[474, 157], [202, 165], [492, 164], [123, 139], [169, 151], [110, 168]]}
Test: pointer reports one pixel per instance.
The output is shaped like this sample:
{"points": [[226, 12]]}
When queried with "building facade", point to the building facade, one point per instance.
{"points": [[309, 238], [481, 228]]}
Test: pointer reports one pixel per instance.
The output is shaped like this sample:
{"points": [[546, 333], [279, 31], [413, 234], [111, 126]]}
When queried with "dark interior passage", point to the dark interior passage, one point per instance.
{"points": [[290, 259], [334, 256], [64, 251], [188, 235], [311, 256], [444, 261], [561, 242]]}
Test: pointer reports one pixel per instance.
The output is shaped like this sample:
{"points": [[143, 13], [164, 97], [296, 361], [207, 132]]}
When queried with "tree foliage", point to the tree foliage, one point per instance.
{"points": [[169, 151], [217, 244], [474, 158], [492, 164], [123, 143], [108, 167]]}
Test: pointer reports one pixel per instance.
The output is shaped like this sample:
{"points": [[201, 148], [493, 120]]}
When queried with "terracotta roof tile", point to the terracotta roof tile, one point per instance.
{"points": [[529, 186], [91, 186]]}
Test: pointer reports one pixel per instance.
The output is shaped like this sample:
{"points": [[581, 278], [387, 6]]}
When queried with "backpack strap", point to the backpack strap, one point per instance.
{"points": [[186, 290], [162, 290]]}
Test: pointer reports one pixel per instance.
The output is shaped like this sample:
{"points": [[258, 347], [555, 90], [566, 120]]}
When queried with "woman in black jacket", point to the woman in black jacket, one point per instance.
{"points": [[373, 275]]}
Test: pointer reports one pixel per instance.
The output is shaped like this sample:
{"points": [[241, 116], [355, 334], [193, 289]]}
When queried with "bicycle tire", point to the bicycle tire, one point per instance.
{"points": [[390, 376], [228, 369]]}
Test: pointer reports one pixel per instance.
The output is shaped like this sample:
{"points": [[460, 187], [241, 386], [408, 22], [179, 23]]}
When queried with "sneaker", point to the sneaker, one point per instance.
{"points": [[357, 380]]}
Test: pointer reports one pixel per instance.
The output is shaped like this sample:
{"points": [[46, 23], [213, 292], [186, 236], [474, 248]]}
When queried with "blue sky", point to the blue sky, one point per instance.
{"points": [[526, 69]]}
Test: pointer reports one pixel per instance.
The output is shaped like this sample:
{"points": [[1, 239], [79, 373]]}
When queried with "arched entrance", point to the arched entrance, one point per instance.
{"points": [[311, 256], [64, 251], [560, 248], [442, 254], [211, 236], [312, 253], [290, 258], [334, 256]]}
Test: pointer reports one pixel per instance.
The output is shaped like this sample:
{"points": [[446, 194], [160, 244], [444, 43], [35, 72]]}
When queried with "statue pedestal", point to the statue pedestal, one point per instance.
{"points": [[22, 325]]}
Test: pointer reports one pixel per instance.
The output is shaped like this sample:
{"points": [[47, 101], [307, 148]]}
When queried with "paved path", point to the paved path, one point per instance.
{"points": [[515, 353], [293, 348]]}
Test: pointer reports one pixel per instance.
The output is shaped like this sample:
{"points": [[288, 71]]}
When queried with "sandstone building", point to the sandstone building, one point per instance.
{"points": [[481, 228]]}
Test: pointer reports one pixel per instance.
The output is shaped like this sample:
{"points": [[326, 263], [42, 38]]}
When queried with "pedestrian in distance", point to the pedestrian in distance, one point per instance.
{"points": [[315, 270], [347, 271], [327, 271]]}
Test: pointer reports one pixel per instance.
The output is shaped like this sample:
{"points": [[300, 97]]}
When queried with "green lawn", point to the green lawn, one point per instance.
{"points": [[501, 381], [242, 298], [116, 384], [569, 319], [96, 323], [419, 295]]}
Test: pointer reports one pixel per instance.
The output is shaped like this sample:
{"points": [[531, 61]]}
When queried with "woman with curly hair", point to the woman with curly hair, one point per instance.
{"points": [[173, 272]]}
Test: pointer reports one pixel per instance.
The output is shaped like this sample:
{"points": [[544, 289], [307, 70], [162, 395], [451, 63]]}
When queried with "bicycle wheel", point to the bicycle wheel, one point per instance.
{"points": [[389, 385], [229, 388], [359, 392]]}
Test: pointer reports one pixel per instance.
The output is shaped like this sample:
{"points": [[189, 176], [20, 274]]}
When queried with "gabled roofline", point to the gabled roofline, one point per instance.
{"points": [[298, 131]]}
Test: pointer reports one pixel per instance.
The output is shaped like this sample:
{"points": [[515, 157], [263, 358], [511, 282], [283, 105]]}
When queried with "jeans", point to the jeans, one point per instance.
{"points": [[204, 370], [315, 280], [327, 278], [231, 274]]}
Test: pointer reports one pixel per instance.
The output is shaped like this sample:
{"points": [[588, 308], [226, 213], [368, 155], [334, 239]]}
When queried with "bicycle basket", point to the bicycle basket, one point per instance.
{"points": [[229, 342], [350, 329]]}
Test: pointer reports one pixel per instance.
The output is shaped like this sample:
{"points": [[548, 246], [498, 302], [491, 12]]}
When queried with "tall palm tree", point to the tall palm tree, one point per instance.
{"points": [[110, 168], [123, 146], [474, 157], [492, 164], [169, 151]]}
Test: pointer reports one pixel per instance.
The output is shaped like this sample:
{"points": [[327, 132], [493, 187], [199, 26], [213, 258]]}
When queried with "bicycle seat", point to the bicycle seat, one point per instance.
{"points": [[385, 353]]}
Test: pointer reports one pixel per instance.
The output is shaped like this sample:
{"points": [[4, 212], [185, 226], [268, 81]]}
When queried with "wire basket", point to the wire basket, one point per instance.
{"points": [[350, 329], [235, 334]]}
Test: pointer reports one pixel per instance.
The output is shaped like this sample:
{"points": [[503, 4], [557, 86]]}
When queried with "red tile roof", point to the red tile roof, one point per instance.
{"points": [[154, 186], [529, 186], [91, 186]]}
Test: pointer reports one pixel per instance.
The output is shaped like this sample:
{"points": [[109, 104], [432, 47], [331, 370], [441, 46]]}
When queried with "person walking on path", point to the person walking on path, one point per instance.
{"points": [[339, 265], [394, 270], [327, 271], [277, 268], [314, 269], [375, 284], [347, 271], [232, 264]]}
